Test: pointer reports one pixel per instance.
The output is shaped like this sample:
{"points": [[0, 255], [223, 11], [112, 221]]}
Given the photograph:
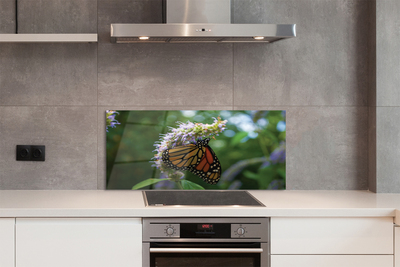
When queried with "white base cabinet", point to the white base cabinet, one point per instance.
{"points": [[78, 242], [7, 244], [332, 242], [332, 260], [332, 235]]}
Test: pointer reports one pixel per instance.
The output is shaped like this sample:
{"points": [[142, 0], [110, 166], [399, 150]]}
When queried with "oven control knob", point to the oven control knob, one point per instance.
{"points": [[170, 231], [240, 231]]}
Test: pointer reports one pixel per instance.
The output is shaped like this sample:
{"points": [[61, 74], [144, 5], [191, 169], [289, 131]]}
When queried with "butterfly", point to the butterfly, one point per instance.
{"points": [[197, 158]]}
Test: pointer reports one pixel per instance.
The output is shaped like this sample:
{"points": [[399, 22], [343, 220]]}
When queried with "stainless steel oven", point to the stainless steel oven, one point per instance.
{"points": [[192, 242]]}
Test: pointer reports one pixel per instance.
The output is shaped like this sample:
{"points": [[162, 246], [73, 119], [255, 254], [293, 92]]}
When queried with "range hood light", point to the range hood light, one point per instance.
{"points": [[258, 37], [144, 37]]}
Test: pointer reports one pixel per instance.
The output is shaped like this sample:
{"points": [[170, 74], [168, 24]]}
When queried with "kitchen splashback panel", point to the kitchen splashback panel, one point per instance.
{"points": [[196, 149]]}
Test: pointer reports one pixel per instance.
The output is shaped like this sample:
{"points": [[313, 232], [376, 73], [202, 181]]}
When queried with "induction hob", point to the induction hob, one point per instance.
{"points": [[199, 198]]}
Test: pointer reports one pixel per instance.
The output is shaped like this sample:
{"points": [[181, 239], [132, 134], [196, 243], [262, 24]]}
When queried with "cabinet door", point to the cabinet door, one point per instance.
{"points": [[397, 246], [332, 235], [332, 260], [7, 234], [66, 242]]}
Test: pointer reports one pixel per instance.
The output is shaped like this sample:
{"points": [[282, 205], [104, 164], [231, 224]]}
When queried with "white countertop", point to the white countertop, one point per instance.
{"points": [[126, 203]]}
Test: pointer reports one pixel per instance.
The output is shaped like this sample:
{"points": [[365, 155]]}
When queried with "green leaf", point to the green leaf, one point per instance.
{"points": [[271, 137], [267, 175], [148, 182], [238, 137], [281, 172], [251, 175], [190, 185]]}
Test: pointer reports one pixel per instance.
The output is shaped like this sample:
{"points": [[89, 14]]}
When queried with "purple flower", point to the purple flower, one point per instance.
{"points": [[279, 154], [165, 185], [276, 184], [265, 164], [110, 119]]}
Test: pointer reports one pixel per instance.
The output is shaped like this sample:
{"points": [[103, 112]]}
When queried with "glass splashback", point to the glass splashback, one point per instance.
{"points": [[196, 149]]}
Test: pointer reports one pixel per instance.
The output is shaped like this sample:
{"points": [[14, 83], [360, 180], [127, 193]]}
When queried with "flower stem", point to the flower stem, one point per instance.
{"points": [[179, 184]]}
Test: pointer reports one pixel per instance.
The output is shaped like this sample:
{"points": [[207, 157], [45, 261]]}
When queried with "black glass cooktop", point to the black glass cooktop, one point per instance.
{"points": [[199, 198]]}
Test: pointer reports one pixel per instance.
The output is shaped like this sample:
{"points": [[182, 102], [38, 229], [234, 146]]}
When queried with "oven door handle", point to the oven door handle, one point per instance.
{"points": [[206, 250]]}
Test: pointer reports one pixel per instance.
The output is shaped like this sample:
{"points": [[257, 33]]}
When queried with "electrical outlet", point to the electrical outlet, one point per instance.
{"points": [[23, 152], [38, 153], [31, 153]]}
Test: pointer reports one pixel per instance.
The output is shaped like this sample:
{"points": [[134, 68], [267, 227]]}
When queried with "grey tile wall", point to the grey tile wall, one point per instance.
{"points": [[387, 149], [70, 137], [165, 75], [48, 74], [388, 56], [126, 11], [320, 138], [57, 16], [321, 78], [7, 16], [372, 155], [387, 138], [372, 178], [48, 96], [325, 65]]}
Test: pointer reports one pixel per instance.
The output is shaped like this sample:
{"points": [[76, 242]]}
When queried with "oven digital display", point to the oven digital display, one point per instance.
{"points": [[205, 227], [205, 230]]}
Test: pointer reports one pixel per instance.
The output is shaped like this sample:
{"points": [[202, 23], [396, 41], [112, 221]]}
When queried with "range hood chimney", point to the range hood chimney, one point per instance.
{"points": [[195, 21]]}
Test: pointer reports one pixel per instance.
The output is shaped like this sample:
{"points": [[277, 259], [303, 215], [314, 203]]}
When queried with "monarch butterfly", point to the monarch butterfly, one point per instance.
{"points": [[197, 158]]}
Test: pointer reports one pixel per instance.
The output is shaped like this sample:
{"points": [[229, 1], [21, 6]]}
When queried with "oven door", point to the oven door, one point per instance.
{"points": [[184, 254]]}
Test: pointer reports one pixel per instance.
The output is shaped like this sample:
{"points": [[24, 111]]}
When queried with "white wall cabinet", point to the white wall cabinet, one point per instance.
{"points": [[7, 244], [78, 242], [355, 242]]}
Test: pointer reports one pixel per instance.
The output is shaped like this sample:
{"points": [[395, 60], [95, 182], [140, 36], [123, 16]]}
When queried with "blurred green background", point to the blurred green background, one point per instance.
{"points": [[252, 149]]}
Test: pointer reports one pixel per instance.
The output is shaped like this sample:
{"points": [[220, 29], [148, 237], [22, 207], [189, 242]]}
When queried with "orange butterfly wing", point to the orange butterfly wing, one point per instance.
{"points": [[209, 167], [198, 158], [182, 157]]}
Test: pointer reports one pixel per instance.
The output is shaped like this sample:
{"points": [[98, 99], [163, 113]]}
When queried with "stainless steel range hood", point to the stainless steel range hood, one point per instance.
{"points": [[188, 21]]}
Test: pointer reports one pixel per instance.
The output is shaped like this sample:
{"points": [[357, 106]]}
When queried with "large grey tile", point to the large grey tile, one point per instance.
{"points": [[388, 56], [372, 95], [7, 16], [48, 74], [387, 149], [372, 141], [126, 11], [327, 148], [173, 75], [265, 11], [326, 64], [57, 16], [70, 137]]}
